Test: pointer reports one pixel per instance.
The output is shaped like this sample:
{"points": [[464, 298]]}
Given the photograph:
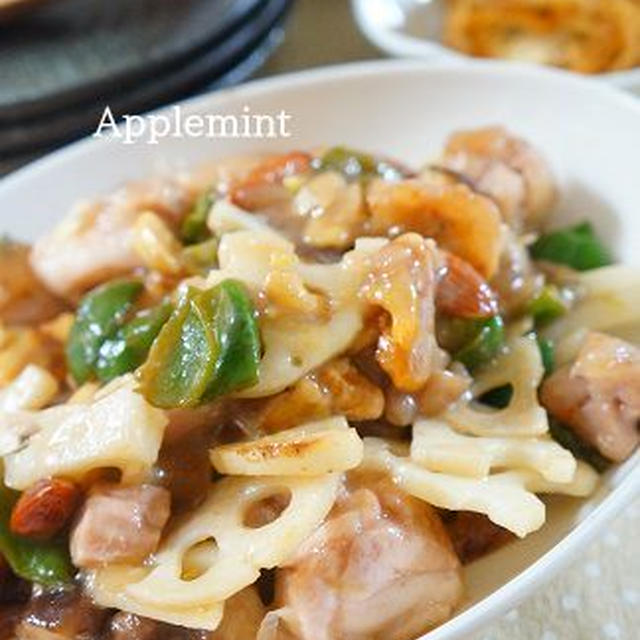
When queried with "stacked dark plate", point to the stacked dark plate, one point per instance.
{"points": [[63, 62]]}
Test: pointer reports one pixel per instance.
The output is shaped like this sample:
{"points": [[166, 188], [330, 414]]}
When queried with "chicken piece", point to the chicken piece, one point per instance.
{"points": [[598, 396], [351, 394], [305, 400], [458, 219], [261, 190], [222, 174], [243, 614], [400, 408], [337, 388], [119, 524], [60, 615], [95, 241], [271, 171], [473, 535], [443, 389], [506, 168], [402, 281], [380, 568], [23, 298], [273, 205]]}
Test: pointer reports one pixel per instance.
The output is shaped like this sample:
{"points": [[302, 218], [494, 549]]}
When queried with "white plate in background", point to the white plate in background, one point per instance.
{"points": [[589, 132], [412, 28]]}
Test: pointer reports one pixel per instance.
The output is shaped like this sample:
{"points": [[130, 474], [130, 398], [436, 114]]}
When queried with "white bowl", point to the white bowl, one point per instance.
{"points": [[590, 133], [412, 29]]}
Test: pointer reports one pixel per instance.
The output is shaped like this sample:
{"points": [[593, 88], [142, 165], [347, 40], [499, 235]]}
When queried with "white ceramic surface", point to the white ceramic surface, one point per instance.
{"points": [[412, 28], [590, 133]]}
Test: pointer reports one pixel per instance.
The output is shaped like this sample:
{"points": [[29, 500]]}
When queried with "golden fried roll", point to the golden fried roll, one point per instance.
{"points": [[589, 36]]}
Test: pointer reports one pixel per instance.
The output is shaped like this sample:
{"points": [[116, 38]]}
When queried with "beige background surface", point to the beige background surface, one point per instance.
{"points": [[599, 597]]}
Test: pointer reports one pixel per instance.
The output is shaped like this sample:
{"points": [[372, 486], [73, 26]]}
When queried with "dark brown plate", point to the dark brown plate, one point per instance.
{"points": [[238, 56], [73, 50]]}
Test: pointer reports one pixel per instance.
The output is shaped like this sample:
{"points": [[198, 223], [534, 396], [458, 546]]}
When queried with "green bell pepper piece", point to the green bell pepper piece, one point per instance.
{"points": [[577, 247], [238, 338], [128, 348], [356, 164], [209, 347], [547, 353], [485, 345], [181, 360], [194, 227], [99, 315], [202, 257], [547, 305], [46, 563]]}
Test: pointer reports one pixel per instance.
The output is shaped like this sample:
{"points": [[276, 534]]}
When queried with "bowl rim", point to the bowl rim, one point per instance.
{"points": [[562, 553], [401, 44], [335, 72]]}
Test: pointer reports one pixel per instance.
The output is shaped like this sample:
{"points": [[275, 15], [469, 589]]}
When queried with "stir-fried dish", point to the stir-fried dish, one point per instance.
{"points": [[587, 36], [289, 397]]}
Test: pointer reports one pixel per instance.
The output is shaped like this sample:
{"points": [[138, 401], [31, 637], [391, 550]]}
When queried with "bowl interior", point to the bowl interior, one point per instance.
{"points": [[591, 135]]}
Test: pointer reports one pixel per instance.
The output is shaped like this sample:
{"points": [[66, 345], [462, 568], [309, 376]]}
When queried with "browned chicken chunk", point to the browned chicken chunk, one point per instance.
{"points": [[381, 568], [402, 281], [459, 219], [473, 535], [243, 614], [95, 241], [598, 396], [119, 524], [507, 168], [336, 388]]}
